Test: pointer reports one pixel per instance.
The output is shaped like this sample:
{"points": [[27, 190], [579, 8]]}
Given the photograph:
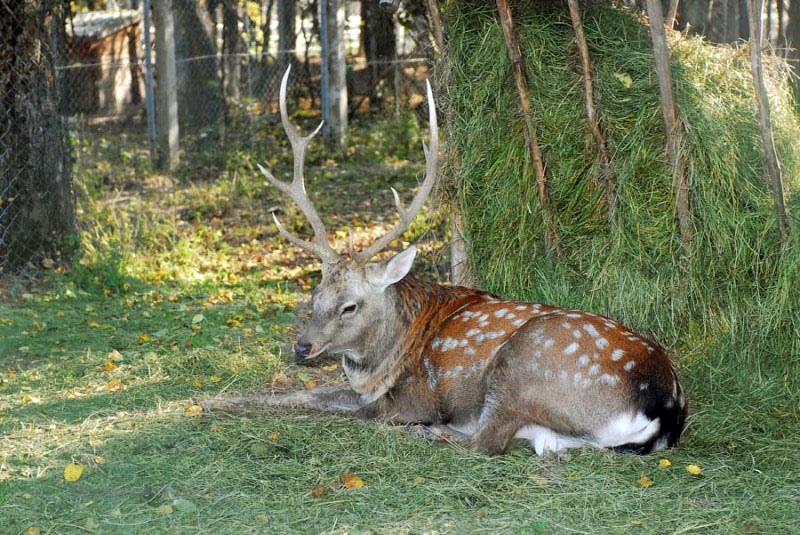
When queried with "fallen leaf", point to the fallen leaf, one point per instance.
{"points": [[644, 482], [11, 373], [164, 510], [275, 436], [310, 384], [73, 472], [197, 383], [192, 410], [115, 356], [109, 366], [694, 469], [197, 318], [625, 79], [94, 442], [47, 263], [351, 481], [330, 367], [144, 338], [114, 385], [99, 459], [33, 531], [304, 376], [216, 428], [214, 379], [664, 463], [260, 517], [93, 324], [319, 490]]}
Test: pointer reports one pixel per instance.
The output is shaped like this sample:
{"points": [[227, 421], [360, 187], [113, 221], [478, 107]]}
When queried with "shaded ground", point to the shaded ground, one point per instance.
{"points": [[186, 291]]}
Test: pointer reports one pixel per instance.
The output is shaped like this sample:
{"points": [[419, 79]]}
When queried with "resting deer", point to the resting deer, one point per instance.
{"points": [[483, 369]]}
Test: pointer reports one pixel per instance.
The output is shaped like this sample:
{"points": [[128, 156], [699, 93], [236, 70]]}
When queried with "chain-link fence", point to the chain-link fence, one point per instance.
{"points": [[229, 58]]}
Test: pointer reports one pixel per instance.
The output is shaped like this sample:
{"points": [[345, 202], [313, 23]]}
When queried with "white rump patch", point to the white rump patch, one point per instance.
{"points": [[627, 428]]}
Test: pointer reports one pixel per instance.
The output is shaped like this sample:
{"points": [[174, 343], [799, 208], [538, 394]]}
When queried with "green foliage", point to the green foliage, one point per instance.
{"points": [[731, 298]]}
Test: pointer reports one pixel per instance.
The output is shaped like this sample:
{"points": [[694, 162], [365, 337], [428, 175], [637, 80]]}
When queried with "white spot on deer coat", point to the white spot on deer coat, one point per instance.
{"points": [[472, 332], [608, 379], [594, 370], [435, 343], [589, 328], [573, 315], [601, 343], [629, 365], [617, 354], [500, 313], [449, 343], [572, 348], [576, 333], [518, 322], [521, 307], [469, 351], [548, 343], [583, 361]]}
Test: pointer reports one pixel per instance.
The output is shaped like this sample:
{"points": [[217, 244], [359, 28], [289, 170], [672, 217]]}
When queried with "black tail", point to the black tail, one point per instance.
{"points": [[671, 412]]}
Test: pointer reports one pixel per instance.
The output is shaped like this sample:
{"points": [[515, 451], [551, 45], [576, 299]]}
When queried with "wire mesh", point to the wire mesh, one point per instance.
{"points": [[229, 59]]}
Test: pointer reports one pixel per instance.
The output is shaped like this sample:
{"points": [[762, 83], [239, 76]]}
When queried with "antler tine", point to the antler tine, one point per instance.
{"points": [[296, 190], [407, 216]]}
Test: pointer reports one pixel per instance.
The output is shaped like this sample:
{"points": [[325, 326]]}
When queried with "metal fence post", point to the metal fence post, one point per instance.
{"points": [[148, 81], [168, 132], [323, 41]]}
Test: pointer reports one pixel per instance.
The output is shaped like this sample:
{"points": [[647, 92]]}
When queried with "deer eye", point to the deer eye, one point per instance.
{"points": [[348, 310]]}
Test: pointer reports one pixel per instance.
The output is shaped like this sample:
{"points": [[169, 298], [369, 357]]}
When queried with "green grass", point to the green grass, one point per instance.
{"points": [[184, 290]]}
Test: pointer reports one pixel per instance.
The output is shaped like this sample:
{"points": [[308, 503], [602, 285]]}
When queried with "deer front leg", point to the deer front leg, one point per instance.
{"points": [[326, 398]]}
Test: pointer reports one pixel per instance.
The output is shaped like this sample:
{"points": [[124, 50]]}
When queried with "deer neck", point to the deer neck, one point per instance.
{"points": [[415, 313]]}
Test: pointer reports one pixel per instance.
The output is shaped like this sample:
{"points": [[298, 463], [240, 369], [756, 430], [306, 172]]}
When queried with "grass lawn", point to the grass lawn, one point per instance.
{"points": [[185, 291]]}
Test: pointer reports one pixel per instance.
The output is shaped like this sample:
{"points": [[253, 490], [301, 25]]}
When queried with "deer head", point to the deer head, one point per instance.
{"points": [[353, 311]]}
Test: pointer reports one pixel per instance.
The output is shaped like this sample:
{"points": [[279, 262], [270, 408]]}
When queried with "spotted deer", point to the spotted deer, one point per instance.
{"points": [[483, 369]]}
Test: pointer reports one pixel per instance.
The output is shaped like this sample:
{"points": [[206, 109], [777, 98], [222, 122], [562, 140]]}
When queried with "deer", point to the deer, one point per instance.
{"points": [[469, 366]]}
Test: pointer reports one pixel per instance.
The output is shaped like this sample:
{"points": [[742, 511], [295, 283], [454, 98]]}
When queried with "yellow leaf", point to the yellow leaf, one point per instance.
{"points": [[60, 313], [94, 442], [214, 378], [197, 318], [275, 436], [664, 463], [192, 410], [625, 79], [114, 385], [351, 481], [93, 324], [26, 398], [98, 459], [197, 383], [11, 373], [319, 490], [115, 356], [33, 531], [694, 469], [310, 384], [260, 517], [330, 368], [644, 482], [164, 510], [73, 472], [109, 366], [6, 321], [215, 428], [144, 338]]}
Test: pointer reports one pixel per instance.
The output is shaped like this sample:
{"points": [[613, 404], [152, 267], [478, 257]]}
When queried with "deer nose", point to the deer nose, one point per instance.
{"points": [[302, 350]]}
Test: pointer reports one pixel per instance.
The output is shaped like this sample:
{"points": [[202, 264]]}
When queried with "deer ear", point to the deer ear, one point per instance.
{"points": [[397, 268]]}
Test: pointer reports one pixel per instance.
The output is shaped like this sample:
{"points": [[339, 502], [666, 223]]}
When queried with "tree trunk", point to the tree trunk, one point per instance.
{"points": [[199, 84], [793, 44], [337, 69], [754, 10], [672, 124], [287, 33], [37, 208], [606, 173], [521, 81], [166, 89], [231, 48], [379, 44]]}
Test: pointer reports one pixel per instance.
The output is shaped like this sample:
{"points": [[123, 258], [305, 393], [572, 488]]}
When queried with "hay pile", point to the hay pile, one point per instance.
{"points": [[736, 299]]}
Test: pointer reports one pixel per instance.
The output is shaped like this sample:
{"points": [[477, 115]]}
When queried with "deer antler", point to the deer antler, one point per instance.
{"points": [[297, 189], [408, 215]]}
